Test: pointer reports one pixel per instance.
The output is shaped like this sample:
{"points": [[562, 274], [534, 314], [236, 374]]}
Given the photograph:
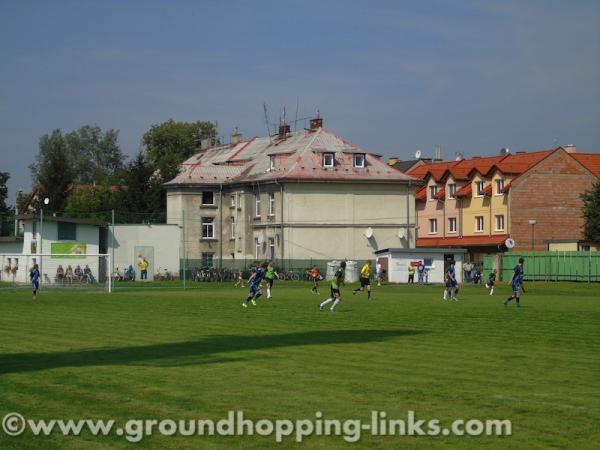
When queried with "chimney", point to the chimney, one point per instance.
{"points": [[284, 129], [393, 160], [236, 137], [438, 153], [570, 148], [316, 123], [206, 143]]}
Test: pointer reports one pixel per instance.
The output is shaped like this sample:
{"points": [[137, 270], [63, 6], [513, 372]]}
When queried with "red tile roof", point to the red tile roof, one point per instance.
{"points": [[421, 194], [441, 195], [465, 191], [487, 191], [465, 241], [591, 161]]}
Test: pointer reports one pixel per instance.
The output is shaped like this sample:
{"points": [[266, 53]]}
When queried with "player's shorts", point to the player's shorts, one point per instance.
{"points": [[516, 291], [490, 283], [335, 292], [364, 282], [35, 284], [269, 281]]}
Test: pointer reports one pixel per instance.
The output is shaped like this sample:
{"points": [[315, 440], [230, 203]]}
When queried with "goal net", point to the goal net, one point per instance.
{"points": [[57, 270]]}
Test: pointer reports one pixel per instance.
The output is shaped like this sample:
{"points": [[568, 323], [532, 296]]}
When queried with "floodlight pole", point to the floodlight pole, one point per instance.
{"points": [[112, 250], [41, 240]]}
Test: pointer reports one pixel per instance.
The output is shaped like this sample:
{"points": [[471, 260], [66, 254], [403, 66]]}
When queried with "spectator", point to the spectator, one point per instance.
{"points": [[78, 273], [60, 274], [87, 273], [468, 268], [411, 274], [69, 274], [421, 270], [130, 274], [379, 274], [143, 265]]}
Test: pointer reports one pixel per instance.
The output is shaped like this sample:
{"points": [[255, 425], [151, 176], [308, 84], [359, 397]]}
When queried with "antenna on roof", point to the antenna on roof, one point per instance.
{"points": [[267, 121], [296, 117]]}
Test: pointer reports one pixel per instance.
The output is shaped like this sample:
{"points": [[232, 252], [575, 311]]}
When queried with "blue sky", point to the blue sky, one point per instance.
{"points": [[390, 76]]}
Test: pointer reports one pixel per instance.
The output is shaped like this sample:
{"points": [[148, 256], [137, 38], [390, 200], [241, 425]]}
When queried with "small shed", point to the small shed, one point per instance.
{"points": [[435, 261]]}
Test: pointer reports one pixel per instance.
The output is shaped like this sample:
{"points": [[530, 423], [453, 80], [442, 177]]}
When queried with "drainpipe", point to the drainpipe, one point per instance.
{"points": [[221, 226], [408, 215], [281, 220]]}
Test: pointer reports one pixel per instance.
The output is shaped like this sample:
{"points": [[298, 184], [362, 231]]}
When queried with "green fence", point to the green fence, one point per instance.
{"points": [[550, 266]]}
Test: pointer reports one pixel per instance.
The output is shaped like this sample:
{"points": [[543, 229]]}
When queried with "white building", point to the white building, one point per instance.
{"points": [[295, 196], [435, 261]]}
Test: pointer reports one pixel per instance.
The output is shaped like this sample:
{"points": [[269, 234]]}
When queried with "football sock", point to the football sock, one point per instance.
{"points": [[326, 302], [337, 302]]}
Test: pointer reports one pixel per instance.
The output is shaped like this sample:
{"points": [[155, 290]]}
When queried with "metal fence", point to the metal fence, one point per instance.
{"points": [[550, 266]]}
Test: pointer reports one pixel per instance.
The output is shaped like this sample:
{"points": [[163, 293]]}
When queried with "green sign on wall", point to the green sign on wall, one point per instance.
{"points": [[64, 250]]}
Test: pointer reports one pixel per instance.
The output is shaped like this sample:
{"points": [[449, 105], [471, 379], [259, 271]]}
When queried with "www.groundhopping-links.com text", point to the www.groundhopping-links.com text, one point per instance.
{"points": [[235, 424]]}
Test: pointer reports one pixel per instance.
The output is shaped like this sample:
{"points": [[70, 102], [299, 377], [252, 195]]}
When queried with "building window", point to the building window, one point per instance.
{"points": [[271, 248], [499, 186], [433, 192], [257, 205], [478, 224], [479, 188], [451, 190], [359, 160], [208, 198], [432, 226], [271, 162], [256, 249], [207, 259], [233, 200], [232, 227], [452, 225], [500, 223], [66, 231], [328, 160], [271, 203], [208, 228]]}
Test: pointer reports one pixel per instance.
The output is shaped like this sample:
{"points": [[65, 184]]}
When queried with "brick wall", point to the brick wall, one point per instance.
{"points": [[549, 194]]}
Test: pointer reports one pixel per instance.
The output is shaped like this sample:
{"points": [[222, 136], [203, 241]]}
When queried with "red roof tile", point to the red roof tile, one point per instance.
{"points": [[421, 194], [465, 241], [441, 195], [591, 161], [487, 191], [465, 191]]}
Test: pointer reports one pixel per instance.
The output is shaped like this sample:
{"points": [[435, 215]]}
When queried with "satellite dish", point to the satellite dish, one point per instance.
{"points": [[369, 233], [459, 157], [46, 201], [504, 151], [417, 154], [401, 233], [510, 243]]}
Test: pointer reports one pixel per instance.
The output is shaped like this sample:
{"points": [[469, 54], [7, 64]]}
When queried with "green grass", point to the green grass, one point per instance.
{"points": [[198, 354]]}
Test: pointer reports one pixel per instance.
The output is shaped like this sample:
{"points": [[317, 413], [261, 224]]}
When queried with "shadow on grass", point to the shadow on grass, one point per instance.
{"points": [[202, 351]]}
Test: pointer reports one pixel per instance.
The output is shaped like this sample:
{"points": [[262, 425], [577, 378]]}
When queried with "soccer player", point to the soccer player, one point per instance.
{"points": [[365, 280], [338, 280], [516, 281], [270, 277], [316, 277], [451, 283], [34, 275], [254, 283], [491, 281]]}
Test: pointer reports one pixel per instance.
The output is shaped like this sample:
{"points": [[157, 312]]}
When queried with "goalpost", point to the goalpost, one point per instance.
{"points": [[57, 270]]}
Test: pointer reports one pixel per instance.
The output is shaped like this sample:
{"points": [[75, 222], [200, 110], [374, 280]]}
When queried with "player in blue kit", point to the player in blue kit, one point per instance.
{"points": [[254, 282], [517, 283], [34, 275]]}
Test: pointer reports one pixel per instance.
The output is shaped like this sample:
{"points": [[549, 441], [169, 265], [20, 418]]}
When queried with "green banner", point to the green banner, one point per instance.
{"points": [[76, 249]]}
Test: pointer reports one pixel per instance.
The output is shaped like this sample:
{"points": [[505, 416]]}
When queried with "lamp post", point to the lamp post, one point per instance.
{"points": [[46, 202], [532, 222]]}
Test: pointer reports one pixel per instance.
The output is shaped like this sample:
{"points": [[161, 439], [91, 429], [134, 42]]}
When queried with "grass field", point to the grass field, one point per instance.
{"points": [[198, 354]]}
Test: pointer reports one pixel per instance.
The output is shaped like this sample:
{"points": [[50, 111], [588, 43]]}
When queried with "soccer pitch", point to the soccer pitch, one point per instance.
{"points": [[197, 354]]}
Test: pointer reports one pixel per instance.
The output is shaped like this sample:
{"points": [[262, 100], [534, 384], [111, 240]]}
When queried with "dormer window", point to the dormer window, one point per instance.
{"points": [[271, 162], [479, 188], [328, 160], [359, 160]]}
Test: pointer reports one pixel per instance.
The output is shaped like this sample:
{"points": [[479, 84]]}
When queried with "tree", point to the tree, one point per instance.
{"points": [[141, 191], [170, 143], [53, 170], [95, 155], [94, 201], [6, 212], [591, 213]]}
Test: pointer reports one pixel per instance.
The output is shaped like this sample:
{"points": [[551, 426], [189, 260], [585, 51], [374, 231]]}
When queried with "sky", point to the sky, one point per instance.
{"points": [[389, 76]]}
